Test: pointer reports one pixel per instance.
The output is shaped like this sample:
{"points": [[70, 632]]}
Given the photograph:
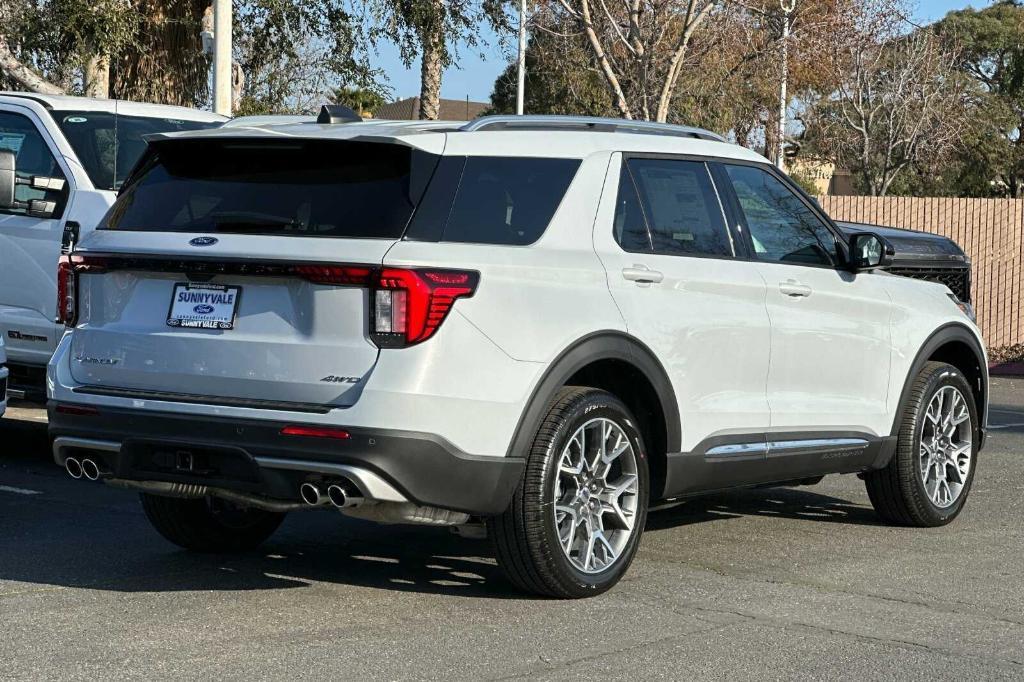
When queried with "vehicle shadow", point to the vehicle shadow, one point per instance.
{"points": [[788, 503], [22, 438], [112, 548]]}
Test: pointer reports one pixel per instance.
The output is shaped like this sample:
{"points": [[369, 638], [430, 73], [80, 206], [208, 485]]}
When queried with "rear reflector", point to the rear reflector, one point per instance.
{"points": [[78, 410], [316, 432]]}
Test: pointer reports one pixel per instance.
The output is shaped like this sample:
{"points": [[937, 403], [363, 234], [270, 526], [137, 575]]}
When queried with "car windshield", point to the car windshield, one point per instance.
{"points": [[109, 145]]}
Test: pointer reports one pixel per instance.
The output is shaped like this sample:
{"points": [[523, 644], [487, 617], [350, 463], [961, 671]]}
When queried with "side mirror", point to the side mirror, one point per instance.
{"points": [[37, 208], [7, 180], [869, 251]]}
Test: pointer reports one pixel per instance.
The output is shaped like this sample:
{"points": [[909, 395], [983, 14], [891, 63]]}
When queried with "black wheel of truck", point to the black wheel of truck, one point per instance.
{"points": [[575, 520], [927, 481], [209, 524]]}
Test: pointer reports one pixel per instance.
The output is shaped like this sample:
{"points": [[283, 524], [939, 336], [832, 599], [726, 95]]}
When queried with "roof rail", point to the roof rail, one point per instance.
{"points": [[587, 123]]}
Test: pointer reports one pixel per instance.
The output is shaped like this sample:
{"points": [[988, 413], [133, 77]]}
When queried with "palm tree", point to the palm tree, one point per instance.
{"points": [[360, 100]]}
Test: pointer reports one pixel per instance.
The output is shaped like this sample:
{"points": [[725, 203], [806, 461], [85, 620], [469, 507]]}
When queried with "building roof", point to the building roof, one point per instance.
{"points": [[68, 103], [451, 110]]}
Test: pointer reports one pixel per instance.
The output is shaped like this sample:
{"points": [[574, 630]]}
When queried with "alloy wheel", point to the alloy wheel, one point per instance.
{"points": [[596, 495], [945, 454]]}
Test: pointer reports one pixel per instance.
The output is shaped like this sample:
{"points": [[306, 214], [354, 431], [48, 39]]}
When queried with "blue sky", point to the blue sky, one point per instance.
{"points": [[474, 75]]}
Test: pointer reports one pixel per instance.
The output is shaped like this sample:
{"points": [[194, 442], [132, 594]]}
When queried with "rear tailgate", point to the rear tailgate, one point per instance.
{"points": [[292, 339], [241, 281]]}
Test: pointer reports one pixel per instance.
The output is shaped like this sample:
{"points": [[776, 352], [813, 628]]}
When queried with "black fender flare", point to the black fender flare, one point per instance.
{"points": [[951, 332], [603, 345]]}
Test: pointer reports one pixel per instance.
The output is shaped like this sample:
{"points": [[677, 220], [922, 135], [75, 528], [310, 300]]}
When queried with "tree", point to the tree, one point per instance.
{"points": [[132, 49], [639, 46], [560, 79], [991, 53], [426, 28], [728, 81], [363, 101], [63, 46], [899, 101], [294, 52]]}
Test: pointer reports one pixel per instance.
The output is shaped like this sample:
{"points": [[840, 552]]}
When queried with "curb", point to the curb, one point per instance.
{"points": [[1007, 369]]}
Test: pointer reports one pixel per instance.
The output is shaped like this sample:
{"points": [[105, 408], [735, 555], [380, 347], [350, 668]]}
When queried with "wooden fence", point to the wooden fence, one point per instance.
{"points": [[990, 231]]}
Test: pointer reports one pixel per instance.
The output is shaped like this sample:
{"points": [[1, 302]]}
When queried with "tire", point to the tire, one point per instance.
{"points": [[526, 537], [208, 524], [898, 492]]}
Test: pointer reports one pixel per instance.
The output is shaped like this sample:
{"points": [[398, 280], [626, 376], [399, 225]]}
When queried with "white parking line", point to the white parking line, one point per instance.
{"points": [[19, 491]]}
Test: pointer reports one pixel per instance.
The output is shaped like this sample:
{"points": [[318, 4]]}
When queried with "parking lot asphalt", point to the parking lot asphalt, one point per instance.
{"points": [[757, 584]]}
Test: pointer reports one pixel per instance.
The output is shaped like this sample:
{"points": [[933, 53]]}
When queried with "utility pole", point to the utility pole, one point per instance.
{"points": [[787, 10], [521, 85], [222, 57]]}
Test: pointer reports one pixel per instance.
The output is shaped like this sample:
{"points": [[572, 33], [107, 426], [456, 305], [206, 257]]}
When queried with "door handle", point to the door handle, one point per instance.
{"points": [[641, 274], [794, 289]]}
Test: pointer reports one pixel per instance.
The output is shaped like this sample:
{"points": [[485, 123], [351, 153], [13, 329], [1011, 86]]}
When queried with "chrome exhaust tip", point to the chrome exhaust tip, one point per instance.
{"points": [[337, 495], [342, 498], [73, 467], [311, 494], [90, 470]]}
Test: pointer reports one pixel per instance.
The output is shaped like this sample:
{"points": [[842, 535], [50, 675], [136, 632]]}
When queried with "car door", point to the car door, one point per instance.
{"points": [[664, 239], [830, 328], [30, 245]]}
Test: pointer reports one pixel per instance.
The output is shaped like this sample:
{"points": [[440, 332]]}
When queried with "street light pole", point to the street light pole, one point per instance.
{"points": [[222, 57], [787, 9], [521, 84]]}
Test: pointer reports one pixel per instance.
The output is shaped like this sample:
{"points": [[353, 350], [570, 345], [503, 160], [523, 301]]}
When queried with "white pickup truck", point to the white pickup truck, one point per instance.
{"points": [[62, 160]]}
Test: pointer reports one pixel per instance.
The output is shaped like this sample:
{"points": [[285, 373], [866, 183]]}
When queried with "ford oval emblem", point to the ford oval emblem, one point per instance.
{"points": [[203, 241], [203, 309]]}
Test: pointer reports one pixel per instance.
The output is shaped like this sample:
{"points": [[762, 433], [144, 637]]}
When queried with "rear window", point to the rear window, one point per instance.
{"points": [[313, 188], [492, 200]]}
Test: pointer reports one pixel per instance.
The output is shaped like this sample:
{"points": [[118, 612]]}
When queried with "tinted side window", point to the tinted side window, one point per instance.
{"points": [[782, 228], [682, 210], [507, 200], [630, 224], [32, 157]]}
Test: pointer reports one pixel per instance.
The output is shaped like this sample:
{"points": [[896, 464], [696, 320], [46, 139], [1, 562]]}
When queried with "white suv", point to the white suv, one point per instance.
{"points": [[543, 324]]}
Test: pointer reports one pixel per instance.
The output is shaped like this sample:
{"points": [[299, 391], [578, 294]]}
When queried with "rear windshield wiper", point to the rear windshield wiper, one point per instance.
{"points": [[251, 220]]}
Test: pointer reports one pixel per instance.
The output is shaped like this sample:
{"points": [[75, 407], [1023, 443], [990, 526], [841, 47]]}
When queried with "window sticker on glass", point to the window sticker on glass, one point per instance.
{"points": [[12, 141], [76, 119]]}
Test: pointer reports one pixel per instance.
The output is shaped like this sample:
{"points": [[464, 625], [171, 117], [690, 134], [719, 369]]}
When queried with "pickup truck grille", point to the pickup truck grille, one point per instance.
{"points": [[957, 279]]}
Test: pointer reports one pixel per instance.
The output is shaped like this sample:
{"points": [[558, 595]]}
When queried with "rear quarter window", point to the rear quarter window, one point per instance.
{"points": [[492, 200]]}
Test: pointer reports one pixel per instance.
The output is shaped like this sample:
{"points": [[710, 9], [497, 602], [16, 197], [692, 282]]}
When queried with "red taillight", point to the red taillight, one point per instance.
{"points": [[68, 268], [316, 432], [65, 292], [410, 305], [334, 274]]}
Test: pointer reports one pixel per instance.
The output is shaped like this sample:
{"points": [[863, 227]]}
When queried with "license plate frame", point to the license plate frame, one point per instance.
{"points": [[207, 309]]}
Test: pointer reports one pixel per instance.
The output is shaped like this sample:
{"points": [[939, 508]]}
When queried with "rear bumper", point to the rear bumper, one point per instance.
{"points": [[423, 468]]}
